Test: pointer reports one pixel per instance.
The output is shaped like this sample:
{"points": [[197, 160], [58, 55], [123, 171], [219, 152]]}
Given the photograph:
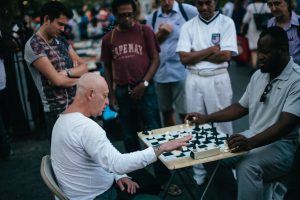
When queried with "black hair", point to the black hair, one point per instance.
{"points": [[278, 35], [54, 9], [116, 3]]}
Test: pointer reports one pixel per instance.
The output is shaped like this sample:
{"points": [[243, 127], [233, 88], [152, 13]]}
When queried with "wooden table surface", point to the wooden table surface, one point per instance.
{"points": [[187, 161]]}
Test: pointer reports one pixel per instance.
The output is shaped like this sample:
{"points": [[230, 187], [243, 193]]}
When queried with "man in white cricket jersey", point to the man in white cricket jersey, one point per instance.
{"points": [[205, 46]]}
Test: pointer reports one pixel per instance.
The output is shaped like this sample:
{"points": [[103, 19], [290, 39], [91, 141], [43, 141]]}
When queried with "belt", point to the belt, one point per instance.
{"points": [[208, 72]]}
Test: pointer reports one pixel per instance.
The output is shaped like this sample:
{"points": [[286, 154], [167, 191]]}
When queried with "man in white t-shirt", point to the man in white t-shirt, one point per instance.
{"points": [[205, 46], [84, 160]]}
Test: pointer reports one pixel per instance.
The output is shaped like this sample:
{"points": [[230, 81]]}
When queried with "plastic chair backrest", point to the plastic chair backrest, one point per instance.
{"points": [[49, 178]]}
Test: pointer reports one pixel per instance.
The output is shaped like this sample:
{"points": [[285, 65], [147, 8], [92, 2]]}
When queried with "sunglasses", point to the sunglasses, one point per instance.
{"points": [[268, 88], [125, 15], [274, 3]]}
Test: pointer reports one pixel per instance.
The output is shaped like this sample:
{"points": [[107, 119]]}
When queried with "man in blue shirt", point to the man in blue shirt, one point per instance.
{"points": [[170, 76]]}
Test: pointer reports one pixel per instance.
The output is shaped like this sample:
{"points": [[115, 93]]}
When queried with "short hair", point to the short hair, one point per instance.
{"points": [[116, 3], [278, 35], [54, 9]]}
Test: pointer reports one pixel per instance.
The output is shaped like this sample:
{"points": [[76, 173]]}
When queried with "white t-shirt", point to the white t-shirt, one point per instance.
{"points": [[198, 34], [84, 160]]}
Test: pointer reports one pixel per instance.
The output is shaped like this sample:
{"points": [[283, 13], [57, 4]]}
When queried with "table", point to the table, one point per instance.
{"points": [[187, 161]]}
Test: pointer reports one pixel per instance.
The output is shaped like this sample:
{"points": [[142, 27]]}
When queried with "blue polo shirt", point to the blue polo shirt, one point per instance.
{"points": [[293, 35], [171, 69]]}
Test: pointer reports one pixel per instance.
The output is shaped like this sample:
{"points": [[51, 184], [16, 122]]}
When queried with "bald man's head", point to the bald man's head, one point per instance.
{"points": [[91, 95], [91, 81]]}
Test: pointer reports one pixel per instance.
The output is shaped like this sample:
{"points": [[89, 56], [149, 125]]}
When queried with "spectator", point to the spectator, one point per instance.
{"points": [[272, 102], [53, 63], [170, 76], [205, 46], [130, 56], [4, 142], [80, 145], [258, 6], [287, 19]]}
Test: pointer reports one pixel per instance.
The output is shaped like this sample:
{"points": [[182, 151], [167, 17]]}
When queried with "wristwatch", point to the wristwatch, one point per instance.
{"points": [[146, 83], [69, 73]]}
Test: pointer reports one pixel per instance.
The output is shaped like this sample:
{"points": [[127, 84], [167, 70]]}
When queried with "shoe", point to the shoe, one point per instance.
{"points": [[174, 190], [200, 181]]}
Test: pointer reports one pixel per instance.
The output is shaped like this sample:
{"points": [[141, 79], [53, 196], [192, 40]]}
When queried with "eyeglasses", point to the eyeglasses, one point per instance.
{"points": [[268, 88], [125, 15], [274, 3]]}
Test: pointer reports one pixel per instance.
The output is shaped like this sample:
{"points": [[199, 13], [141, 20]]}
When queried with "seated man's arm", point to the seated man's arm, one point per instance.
{"points": [[282, 127], [45, 67], [232, 112]]}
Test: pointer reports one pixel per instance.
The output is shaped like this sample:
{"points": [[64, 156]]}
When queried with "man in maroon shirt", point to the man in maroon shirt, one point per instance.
{"points": [[130, 53]]}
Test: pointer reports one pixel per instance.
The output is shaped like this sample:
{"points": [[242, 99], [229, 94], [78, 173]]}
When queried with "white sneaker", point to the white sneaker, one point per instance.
{"points": [[199, 181]]}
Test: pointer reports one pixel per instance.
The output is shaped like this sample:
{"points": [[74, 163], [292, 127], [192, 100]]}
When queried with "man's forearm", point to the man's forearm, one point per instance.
{"points": [[220, 57], [233, 112], [153, 67], [194, 57], [285, 124]]}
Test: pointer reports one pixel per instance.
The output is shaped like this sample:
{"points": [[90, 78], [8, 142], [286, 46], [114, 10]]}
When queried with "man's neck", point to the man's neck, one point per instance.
{"points": [[125, 29], [279, 70], [77, 107], [42, 33], [283, 20]]}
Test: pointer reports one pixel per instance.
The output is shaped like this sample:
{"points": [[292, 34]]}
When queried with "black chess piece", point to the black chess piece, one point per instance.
{"points": [[197, 127]]}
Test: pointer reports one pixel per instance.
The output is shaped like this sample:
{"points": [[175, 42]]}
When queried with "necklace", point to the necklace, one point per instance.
{"points": [[57, 55]]}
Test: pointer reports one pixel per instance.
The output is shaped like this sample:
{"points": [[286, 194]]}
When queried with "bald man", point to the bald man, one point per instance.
{"points": [[83, 159]]}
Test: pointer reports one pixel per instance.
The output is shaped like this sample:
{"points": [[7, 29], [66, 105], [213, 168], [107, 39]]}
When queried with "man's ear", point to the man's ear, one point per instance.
{"points": [[90, 94], [46, 19]]}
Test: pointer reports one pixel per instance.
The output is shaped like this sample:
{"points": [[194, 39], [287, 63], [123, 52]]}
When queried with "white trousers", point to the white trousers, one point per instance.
{"points": [[208, 94]]}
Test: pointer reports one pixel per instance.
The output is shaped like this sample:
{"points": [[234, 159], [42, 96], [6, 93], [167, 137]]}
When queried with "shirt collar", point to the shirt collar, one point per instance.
{"points": [[285, 74], [294, 20], [174, 9]]}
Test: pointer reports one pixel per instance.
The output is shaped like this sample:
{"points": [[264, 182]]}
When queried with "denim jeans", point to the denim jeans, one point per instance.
{"points": [[137, 115]]}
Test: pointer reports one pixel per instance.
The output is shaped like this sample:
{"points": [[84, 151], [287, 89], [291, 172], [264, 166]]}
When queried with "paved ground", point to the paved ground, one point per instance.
{"points": [[20, 177]]}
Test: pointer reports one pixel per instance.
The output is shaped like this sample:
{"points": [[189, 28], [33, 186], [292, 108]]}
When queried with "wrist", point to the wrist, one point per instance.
{"points": [[157, 150]]}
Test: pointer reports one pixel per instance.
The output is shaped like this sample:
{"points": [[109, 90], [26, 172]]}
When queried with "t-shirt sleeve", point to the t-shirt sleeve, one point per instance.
{"points": [[228, 37], [101, 150], [33, 51], [292, 101], [106, 53], [184, 42], [244, 101]]}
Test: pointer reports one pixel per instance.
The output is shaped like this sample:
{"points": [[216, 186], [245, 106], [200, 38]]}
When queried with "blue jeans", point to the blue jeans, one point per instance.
{"points": [[136, 116], [259, 165]]}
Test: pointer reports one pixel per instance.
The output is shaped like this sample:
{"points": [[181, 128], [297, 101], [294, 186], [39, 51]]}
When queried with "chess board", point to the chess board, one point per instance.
{"points": [[206, 142]]}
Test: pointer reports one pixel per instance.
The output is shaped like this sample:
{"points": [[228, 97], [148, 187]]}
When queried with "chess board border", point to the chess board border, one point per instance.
{"points": [[187, 161]]}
